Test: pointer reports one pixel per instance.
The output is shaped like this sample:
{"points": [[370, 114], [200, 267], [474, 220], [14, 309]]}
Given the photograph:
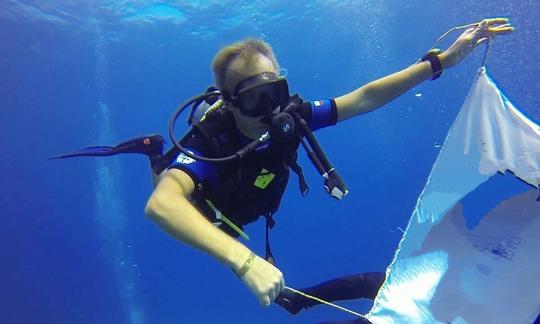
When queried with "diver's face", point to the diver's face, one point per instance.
{"points": [[251, 127]]}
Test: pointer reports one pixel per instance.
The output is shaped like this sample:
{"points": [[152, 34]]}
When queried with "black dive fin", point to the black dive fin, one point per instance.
{"points": [[88, 151], [149, 145]]}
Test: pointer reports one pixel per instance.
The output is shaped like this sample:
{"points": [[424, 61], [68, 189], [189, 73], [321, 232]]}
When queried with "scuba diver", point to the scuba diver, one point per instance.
{"points": [[233, 166]]}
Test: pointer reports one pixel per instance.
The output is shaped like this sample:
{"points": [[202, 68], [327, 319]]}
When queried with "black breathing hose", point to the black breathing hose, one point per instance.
{"points": [[172, 122]]}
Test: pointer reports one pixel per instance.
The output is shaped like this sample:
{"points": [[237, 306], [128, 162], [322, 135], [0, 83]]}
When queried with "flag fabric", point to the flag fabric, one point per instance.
{"points": [[443, 270]]}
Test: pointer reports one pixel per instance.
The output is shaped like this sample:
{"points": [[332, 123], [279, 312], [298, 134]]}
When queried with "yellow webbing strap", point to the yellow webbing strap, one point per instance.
{"points": [[227, 221]]}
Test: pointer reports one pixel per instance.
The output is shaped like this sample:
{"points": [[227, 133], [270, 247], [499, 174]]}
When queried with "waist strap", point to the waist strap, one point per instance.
{"points": [[270, 222]]}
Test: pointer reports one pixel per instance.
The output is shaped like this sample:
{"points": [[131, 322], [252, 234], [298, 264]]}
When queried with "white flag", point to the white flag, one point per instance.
{"points": [[445, 272]]}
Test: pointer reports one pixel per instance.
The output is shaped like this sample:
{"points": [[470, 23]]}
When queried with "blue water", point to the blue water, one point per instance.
{"points": [[75, 244]]}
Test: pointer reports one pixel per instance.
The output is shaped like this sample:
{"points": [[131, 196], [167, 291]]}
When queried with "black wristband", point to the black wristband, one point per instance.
{"points": [[436, 66]]}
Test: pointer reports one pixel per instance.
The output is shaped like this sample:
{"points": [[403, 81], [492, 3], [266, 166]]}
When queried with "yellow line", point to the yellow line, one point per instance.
{"points": [[325, 302], [234, 227]]}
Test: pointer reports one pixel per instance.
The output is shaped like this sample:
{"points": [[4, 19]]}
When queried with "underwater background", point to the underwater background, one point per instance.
{"points": [[75, 245]]}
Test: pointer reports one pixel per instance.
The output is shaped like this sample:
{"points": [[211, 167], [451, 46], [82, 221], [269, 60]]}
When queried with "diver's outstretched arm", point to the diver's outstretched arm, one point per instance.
{"points": [[170, 208], [379, 92]]}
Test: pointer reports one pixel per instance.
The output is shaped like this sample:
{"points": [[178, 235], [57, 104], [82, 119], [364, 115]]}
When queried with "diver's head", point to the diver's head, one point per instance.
{"points": [[240, 60], [247, 74]]}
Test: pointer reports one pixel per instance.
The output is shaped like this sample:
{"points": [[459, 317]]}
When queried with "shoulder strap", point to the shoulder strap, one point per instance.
{"points": [[218, 128], [292, 161]]}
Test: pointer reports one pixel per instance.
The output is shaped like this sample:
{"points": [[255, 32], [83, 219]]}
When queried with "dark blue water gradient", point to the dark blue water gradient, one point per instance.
{"points": [[54, 265]]}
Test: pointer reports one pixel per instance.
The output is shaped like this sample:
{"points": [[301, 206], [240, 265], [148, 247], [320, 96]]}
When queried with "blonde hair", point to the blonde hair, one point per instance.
{"points": [[247, 51]]}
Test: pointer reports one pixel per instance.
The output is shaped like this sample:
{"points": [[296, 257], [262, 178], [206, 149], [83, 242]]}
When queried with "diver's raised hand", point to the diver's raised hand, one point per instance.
{"points": [[472, 37], [263, 279]]}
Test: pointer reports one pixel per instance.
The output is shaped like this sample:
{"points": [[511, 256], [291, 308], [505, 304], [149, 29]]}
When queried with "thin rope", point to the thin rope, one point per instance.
{"points": [[446, 34], [325, 302], [488, 43], [451, 30]]}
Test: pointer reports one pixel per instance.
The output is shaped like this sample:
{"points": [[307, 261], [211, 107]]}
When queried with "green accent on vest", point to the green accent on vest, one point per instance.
{"points": [[264, 179]]}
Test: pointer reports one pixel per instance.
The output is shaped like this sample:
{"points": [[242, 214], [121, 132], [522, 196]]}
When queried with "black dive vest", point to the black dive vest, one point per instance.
{"points": [[251, 186]]}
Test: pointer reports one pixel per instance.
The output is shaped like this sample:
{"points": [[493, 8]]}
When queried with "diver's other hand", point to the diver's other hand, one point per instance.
{"points": [[264, 280], [472, 37]]}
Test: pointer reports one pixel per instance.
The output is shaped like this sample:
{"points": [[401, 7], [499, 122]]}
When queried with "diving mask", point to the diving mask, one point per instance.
{"points": [[261, 94]]}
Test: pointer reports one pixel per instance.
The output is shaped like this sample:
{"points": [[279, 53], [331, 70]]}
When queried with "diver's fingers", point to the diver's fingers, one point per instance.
{"points": [[498, 20], [276, 289], [482, 40], [502, 26], [484, 30], [264, 300], [501, 30], [493, 21], [272, 294]]}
